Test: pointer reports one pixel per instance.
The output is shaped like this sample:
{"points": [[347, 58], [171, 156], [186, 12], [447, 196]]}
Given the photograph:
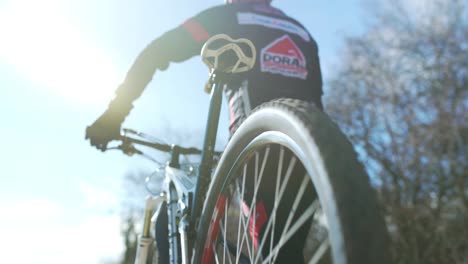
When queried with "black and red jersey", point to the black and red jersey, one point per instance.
{"points": [[287, 63]]}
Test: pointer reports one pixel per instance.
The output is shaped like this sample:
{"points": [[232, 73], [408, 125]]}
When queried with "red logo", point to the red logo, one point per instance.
{"points": [[282, 56]]}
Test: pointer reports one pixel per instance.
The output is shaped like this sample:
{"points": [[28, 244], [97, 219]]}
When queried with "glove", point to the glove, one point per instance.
{"points": [[105, 129]]}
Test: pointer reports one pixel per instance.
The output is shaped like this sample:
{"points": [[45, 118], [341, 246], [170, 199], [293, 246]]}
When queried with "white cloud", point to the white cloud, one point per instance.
{"points": [[98, 198], [36, 231], [27, 209]]}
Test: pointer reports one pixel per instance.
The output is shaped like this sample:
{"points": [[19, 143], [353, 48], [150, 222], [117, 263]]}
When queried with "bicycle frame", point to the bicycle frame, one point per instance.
{"points": [[184, 194]]}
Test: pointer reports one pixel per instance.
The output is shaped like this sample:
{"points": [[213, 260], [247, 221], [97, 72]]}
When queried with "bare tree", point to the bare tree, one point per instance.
{"points": [[401, 95]]}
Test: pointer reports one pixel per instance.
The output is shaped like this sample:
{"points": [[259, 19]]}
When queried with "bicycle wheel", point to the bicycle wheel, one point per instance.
{"points": [[289, 188]]}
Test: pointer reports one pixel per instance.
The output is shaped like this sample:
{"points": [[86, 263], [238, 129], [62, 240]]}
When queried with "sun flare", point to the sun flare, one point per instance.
{"points": [[44, 46]]}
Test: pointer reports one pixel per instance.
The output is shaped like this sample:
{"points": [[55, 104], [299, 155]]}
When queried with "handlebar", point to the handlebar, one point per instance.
{"points": [[127, 145], [128, 141]]}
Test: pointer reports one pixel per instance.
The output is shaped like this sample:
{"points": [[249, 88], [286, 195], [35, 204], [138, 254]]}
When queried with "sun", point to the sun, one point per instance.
{"points": [[44, 46]]}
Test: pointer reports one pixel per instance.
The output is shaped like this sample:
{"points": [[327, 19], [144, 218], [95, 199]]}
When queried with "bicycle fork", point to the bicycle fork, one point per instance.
{"points": [[145, 241]]}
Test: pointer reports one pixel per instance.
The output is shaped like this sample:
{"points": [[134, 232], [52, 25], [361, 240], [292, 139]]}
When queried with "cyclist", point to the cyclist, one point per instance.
{"points": [[287, 63]]}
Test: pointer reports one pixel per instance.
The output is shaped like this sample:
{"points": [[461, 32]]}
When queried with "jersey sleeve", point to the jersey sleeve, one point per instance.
{"points": [[176, 45]]}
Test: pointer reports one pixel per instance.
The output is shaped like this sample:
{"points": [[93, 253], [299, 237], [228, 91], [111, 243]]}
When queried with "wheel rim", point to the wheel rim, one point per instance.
{"points": [[235, 236]]}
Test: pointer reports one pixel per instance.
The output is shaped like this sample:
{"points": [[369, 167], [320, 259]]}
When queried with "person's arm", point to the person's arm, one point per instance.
{"points": [[175, 45]]}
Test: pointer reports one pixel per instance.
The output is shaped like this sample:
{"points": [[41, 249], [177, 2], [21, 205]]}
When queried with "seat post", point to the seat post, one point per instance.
{"points": [[204, 171]]}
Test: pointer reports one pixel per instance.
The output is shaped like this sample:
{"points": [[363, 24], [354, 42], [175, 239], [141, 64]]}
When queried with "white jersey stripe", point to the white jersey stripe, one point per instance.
{"points": [[271, 22]]}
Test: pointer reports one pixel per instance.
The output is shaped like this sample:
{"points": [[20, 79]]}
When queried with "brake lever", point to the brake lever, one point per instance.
{"points": [[130, 131], [129, 149]]}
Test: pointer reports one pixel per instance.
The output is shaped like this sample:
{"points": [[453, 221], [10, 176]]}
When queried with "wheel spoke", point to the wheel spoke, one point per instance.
{"points": [[322, 249], [241, 198], [254, 212], [245, 222], [215, 254], [278, 197], [283, 187], [297, 200], [226, 250], [224, 227], [245, 236], [244, 225], [300, 221]]}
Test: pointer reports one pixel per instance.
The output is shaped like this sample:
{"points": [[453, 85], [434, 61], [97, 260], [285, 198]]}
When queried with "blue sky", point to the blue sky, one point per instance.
{"points": [[60, 61]]}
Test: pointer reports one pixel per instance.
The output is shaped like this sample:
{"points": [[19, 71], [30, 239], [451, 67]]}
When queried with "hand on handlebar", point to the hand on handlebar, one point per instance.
{"points": [[105, 129]]}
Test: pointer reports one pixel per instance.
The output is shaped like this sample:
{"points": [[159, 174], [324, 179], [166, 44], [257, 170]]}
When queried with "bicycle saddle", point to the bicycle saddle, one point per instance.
{"points": [[224, 54]]}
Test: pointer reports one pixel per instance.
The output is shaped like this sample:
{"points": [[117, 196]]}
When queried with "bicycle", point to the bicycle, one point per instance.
{"points": [[287, 179]]}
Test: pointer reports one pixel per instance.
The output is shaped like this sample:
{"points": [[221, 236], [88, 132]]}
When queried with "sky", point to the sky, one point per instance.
{"points": [[60, 61]]}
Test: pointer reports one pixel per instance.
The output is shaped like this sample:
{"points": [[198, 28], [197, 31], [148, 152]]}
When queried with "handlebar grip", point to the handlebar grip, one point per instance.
{"points": [[129, 149]]}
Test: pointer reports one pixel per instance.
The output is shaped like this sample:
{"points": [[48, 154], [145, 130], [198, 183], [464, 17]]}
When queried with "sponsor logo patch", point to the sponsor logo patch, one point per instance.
{"points": [[284, 57], [270, 22]]}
